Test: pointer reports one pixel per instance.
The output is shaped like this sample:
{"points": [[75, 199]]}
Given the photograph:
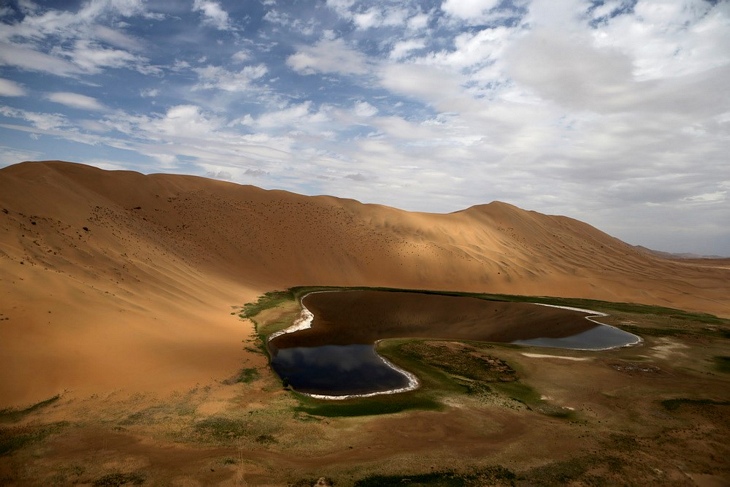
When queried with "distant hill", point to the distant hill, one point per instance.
{"points": [[681, 255]]}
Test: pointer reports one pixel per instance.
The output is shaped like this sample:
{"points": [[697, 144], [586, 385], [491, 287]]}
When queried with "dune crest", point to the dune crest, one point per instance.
{"points": [[118, 280]]}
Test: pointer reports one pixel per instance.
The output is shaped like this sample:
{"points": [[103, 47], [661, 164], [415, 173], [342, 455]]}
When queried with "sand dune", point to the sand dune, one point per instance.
{"points": [[115, 280]]}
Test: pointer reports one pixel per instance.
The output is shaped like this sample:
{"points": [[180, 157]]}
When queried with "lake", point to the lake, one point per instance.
{"points": [[331, 353]]}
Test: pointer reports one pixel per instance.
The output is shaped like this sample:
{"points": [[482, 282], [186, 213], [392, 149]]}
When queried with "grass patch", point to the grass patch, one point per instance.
{"points": [[465, 368], [722, 364], [461, 360], [674, 332], [245, 376], [219, 428], [13, 415], [495, 475], [266, 301], [367, 406]]}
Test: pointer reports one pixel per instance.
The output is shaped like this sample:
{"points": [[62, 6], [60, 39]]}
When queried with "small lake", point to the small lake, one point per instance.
{"points": [[330, 351]]}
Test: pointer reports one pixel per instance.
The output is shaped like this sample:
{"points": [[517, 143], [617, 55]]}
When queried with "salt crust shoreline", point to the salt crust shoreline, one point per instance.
{"points": [[306, 318], [596, 314]]}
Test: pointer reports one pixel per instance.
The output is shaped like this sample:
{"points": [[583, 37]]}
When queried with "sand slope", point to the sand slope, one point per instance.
{"points": [[115, 280]]}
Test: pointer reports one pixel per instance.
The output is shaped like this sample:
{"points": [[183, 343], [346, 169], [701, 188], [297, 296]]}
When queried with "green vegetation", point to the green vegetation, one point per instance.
{"points": [[366, 406], [13, 415], [245, 376], [267, 301], [254, 428], [495, 475], [459, 359], [219, 428], [465, 368]]}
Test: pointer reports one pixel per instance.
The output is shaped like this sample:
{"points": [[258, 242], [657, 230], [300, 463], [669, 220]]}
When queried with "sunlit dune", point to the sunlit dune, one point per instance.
{"points": [[115, 280]]}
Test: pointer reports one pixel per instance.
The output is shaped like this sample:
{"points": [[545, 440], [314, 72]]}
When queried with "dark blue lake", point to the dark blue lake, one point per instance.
{"points": [[337, 370], [332, 352]]}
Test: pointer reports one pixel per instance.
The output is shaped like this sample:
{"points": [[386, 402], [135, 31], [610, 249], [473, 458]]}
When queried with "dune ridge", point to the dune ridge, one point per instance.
{"points": [[116, 280]]}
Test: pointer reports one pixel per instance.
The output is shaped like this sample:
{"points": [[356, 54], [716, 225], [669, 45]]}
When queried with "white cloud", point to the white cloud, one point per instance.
{"points": [[298, 117], [150, 93], [42, 121], [671, 38], [570, 71], [117, 38], [11, 88], [328, 56], [213, 14], [365, 109], [402, 49], [29, 59], [92, 58], [241, 56], [219, 78], [427, 83], [468, 9], [75, 100]]}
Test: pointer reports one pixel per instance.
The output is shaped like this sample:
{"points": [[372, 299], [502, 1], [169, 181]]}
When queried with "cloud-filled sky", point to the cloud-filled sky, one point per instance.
{"points": [[614, 112]]}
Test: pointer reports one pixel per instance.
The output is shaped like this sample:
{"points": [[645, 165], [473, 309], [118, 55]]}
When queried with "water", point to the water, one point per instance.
{"points": [[330, 352], [337, 370], [600, 337]]}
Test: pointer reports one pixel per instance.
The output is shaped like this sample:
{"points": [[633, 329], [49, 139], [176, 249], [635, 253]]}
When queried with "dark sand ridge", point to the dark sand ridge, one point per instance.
{"points": [[362, 317], [115, 280]]}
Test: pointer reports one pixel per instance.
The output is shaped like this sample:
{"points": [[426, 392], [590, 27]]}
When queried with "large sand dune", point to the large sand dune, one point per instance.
{"points": [[119, 281]]}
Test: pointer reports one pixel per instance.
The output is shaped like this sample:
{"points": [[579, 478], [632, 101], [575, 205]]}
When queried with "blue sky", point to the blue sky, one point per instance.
{"points": [[613, 112]]}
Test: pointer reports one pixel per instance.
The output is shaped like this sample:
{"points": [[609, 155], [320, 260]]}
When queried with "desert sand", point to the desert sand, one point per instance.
{"points": [[114, 283]]}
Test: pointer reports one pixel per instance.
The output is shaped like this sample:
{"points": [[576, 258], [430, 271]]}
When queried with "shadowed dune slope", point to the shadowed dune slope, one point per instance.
{"points": [[95, 265]]}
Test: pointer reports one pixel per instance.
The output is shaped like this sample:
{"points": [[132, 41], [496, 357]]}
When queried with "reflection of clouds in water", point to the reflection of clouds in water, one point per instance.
{"points": [[335, 357], [338, 371], [600, 337]]}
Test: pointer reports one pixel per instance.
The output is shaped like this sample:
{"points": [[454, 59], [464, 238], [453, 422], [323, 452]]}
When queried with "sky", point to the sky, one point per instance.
{"points": [[613, 112]]}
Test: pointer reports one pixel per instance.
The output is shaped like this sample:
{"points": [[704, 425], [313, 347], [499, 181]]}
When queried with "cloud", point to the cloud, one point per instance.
{"points": [[93, 58], [402, 49], [75, 100], [213, 14], [69, 44], [365, 109], [427, 83], [328, 56], [468, 10], [11, 88], [569, 70], [360, 178], [29, 59], [217, 77]]}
